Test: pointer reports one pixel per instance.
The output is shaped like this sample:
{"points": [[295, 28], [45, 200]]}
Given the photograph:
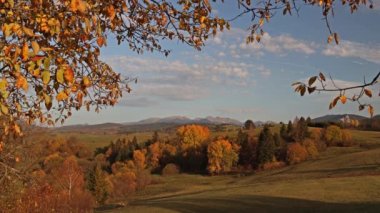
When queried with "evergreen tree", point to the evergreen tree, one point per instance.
{"points": [[266, 147], [301, 130], [308, 121], [134, 144], [245, 154], [289, 129], [277, 140], [97, 184], [283, 132], [249, 125]]}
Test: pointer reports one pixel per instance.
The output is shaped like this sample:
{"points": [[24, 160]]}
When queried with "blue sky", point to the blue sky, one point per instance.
{"points": [[231, 79]]}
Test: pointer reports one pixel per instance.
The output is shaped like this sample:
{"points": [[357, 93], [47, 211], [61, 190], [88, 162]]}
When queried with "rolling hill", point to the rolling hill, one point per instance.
{"points": [[150, 124], [337, 118]]}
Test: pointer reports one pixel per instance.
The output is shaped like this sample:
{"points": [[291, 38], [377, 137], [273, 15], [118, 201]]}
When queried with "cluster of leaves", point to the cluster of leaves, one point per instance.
{"points": [[364, 91], [49, 51]]}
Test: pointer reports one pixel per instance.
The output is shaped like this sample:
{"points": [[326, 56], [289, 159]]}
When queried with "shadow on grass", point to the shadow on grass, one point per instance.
{"points": [[250, 203]]}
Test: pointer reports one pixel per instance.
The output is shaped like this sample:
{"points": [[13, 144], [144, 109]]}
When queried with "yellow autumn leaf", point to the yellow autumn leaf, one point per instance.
{"points": [[28, 31], [45, 77], [48, 103], [35, 47], [86, 81], [3, 85], [4, 109], [59, 76]]}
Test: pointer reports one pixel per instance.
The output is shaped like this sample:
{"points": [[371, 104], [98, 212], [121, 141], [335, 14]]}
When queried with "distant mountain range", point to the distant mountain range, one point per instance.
{"points": [[149, 124], [186, 120], [338, 118]]}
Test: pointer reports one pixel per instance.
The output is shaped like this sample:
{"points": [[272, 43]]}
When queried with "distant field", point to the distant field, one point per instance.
{"points": [[341, 180]]}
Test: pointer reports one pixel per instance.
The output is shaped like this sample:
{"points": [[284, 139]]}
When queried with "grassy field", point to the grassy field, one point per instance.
{"points": [[340, 180]]}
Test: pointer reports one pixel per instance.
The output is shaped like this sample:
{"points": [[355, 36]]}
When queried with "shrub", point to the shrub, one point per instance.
{"points": [[170, 169], [296, 153]]}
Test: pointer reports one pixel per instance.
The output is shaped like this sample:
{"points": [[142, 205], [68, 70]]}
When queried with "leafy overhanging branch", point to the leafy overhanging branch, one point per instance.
{"points": [[364, 90]]}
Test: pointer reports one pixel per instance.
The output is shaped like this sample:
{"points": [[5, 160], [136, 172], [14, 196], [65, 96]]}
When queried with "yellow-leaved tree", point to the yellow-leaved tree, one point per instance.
{"points": [[222, 156]]}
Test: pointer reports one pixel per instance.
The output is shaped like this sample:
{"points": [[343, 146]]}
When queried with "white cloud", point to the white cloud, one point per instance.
{"points": [[179, 80], [281, 44], [366, 52]]}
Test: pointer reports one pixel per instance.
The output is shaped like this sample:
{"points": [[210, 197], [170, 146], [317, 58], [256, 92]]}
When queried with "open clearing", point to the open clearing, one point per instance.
{"points": [[342, 179]]}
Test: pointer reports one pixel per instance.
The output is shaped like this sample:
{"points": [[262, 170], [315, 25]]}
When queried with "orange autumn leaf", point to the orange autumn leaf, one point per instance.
{"points": [[69, 74], [111, 12], [100, 41], [343, 99], [371, 110], [86, 81], [62, 96], [25, 52], [21, 82]]}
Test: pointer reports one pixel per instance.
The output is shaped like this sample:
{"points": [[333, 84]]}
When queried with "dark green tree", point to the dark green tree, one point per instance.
{"points": [[289, 128], [97, 184], [301, 130], [283, 132], [266, 147], [249, 125], [247, 152]]}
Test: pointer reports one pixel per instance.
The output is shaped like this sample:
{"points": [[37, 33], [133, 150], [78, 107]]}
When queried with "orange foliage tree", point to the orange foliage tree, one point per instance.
{"points": [[69, 176], [139, 159], [192, 136], [222, 156], [296, 153]]}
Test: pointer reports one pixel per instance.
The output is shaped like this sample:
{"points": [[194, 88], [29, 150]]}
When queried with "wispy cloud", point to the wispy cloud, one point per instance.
{"points": [[366, 52], [182, 81], [264, 71], [281, 44], [234, 40], [137, 102], [173, 92]]}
